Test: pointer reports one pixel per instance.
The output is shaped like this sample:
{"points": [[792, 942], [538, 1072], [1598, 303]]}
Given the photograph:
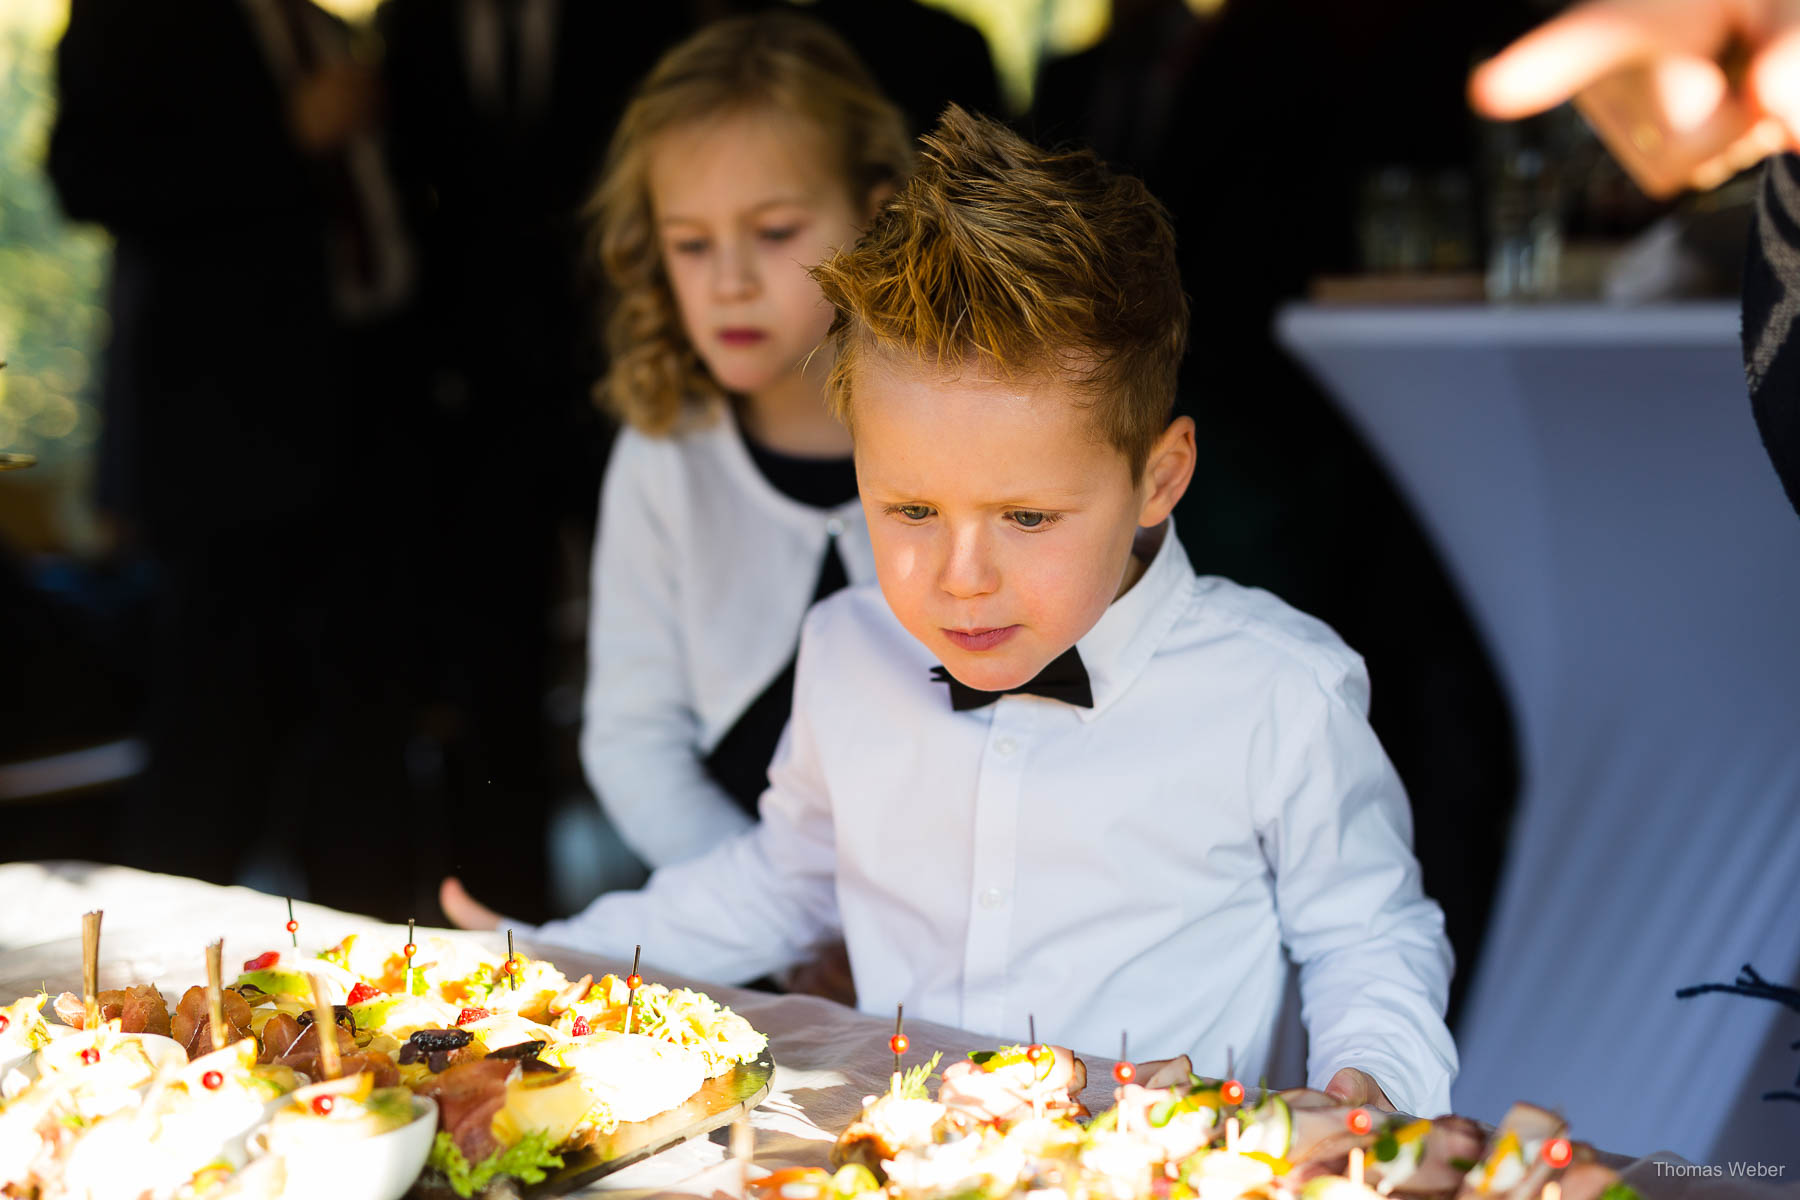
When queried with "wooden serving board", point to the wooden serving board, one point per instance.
{"points": [[719, 1102]]}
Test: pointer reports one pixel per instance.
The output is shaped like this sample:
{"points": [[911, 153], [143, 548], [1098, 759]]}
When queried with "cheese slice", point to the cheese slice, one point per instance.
{"points": [[633, 1075]]}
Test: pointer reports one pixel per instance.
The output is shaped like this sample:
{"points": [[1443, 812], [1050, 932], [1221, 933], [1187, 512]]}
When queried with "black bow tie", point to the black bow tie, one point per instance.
{"points": [[1064, 679]]}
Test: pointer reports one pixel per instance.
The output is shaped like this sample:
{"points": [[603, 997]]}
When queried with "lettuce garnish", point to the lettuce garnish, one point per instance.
{"points": [[529, 1162]]}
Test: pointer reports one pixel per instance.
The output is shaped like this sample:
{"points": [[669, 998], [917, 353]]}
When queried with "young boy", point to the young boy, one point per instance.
{"points": [[1045, 769]]}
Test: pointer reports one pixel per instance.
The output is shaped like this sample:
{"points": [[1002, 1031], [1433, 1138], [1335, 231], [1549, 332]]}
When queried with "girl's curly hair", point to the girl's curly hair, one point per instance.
{"points": [[778, 60]]}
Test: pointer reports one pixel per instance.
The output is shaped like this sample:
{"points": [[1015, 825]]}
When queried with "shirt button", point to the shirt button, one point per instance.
{"points": [[834, 526], [992, 898], [1005, 745]]}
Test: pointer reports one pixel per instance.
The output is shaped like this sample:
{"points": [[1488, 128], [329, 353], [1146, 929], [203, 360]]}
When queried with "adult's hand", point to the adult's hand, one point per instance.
{"points": [[1358, 1087], [1647, 75]]}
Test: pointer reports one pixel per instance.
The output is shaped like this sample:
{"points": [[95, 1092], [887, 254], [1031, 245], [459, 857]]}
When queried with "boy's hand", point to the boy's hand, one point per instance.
{"points": [[1358, 1087], [1648, 76], [464, 911]]}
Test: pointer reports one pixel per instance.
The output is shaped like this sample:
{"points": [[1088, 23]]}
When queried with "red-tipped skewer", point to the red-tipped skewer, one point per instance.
{"points": [[632, 981]]}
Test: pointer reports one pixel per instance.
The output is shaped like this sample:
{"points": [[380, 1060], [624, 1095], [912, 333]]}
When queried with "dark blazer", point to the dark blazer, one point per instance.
{"points": [[1771, 308], [217, 390], [496, 200]]}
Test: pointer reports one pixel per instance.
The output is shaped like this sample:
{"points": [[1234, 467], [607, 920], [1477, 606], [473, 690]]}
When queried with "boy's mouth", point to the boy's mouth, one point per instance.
{"points": [[980, 639], [741, 336]]}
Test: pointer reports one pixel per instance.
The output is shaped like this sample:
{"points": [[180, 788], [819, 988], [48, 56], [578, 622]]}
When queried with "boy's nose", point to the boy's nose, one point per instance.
{"points": [[968, 569]]}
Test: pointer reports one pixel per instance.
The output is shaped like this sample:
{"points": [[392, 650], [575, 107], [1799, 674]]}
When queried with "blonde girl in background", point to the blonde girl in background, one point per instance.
{"points": [[749, 154]]}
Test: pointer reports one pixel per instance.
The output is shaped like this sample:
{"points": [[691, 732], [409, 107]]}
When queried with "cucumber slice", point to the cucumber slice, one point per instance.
{"points": [[851, 1180], [1268, 1128]]}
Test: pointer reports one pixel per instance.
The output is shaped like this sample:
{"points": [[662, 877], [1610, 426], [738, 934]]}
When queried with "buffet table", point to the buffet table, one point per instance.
{"points": [[827, 1056], [1594, 482]]}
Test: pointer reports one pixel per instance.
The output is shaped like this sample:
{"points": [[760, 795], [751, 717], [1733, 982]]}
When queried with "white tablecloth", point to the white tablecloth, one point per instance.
{"points": [[827, 1056], [1593, 480]]}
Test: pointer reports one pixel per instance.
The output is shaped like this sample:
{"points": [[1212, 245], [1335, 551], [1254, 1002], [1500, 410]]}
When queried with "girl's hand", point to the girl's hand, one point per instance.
{"points": [[1646, 74], [464, 911], [1358, 1087]]}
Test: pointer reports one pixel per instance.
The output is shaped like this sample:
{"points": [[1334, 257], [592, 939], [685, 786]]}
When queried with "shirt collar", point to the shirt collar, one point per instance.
{"points": [[1128, 634]]}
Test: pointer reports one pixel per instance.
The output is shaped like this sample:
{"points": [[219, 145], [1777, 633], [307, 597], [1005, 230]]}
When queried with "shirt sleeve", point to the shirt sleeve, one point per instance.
{"points": [[640, 737], [1374, 962], [759, 902]]}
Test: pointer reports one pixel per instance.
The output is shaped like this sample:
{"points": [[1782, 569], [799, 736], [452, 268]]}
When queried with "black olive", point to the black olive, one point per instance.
{"points": [[339, 1012], [440, 1039], [522, 1050]]}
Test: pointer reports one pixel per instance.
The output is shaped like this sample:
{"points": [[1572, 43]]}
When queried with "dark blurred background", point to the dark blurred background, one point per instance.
{"points": [[296, 594]]}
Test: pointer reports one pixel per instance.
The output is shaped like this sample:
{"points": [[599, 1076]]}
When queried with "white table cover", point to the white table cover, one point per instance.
{"points": [[1594, 482], [827, 1056]]}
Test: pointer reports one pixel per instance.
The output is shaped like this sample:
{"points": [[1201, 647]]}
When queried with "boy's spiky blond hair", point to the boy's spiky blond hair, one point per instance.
{"points": [[1017, 260]]}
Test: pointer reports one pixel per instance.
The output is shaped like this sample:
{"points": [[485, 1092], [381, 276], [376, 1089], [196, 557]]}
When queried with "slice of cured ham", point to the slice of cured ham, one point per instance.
{"points": [[139, 1009]]}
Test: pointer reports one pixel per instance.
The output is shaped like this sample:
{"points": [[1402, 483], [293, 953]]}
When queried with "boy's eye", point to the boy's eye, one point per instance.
{"points": [[912, 512], [1026, 518], [777, 236], [688, 246]]}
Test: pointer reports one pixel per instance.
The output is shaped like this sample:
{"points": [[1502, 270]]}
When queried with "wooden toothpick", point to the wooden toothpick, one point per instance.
{"points": [[512, 965], [90, 968], [215, 992], [325, 1022], [743, 1149]]}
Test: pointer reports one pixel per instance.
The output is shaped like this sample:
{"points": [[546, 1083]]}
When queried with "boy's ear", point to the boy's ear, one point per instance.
{"points": [[879, 195], [1167, 472]]}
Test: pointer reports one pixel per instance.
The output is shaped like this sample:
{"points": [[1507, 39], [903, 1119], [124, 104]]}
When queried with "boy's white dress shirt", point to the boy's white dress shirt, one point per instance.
{"points": [[1135, 865], [702, 574]]}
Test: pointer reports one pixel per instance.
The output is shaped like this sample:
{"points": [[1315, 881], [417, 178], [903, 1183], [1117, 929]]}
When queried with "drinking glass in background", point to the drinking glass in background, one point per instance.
{"points": [[1413, 221], [1560, 213], [1525, 237], [1416, 241]]}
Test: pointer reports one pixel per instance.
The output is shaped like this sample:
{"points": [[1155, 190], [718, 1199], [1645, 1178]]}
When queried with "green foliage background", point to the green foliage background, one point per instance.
{"points": [[52, 324]]}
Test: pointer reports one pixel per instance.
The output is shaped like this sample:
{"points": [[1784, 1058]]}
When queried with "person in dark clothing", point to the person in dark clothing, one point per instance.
{"points": [[1771, 307], [923, 57], [224, 146], [499, 111]]}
